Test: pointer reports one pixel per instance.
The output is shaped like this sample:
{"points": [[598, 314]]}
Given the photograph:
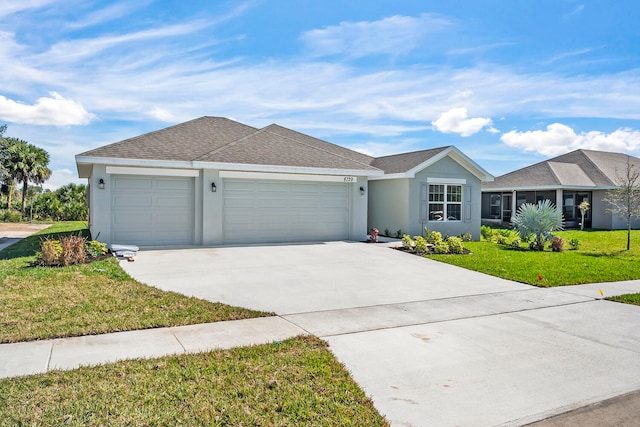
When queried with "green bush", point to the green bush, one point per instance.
{"points": [[434, 237], [96, 249], [420, 244], [407, 242], [455, 245], [516, 242], [574, 243], [486, 233], [466, 237], [441, 247], [11, 216]]}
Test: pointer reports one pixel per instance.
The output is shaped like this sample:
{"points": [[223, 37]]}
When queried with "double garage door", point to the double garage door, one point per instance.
{"points": [[257, 211], [152, 210]]}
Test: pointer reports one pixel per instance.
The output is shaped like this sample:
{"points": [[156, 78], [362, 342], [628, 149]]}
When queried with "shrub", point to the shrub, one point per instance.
{"points": [[407, 242], [420, 244], [387, 232], [73, 250], [96, 249], [516, 242], [454, 245], [50, 251], [399, 234], [537, 222], [434, 237], [441, 247], [574, 243], [466, 237], [11, 216], [502, 239], [557, 244], [486, 233]]}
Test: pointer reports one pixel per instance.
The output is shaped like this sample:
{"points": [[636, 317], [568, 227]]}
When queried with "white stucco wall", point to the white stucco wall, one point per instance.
{"points": [[100, 205]]}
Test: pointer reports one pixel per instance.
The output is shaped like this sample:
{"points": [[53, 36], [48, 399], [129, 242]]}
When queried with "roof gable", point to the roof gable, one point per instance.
{"points": [[406, 165]]}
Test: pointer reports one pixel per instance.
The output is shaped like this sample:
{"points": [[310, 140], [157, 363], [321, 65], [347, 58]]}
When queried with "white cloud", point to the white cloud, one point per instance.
{"points": [[559, 139], [8, 7], [456, 121], [60, 177], [393, 35], [55, 110], [163, 115]]}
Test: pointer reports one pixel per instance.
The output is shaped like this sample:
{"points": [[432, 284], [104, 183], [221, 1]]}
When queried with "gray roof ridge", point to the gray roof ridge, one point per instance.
{"points": [[595, 165], [553, 173], [315, 148], [232, 143]]}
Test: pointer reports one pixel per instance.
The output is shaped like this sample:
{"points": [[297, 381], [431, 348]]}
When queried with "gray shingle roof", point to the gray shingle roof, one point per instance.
{"points": [[399, 163], [579, 168], [185, 141]]}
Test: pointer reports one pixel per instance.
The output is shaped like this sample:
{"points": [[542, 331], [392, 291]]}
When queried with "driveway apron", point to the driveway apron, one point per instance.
{"points": [[432, 344]]}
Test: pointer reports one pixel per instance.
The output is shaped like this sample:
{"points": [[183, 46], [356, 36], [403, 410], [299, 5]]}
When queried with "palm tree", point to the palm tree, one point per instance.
{"points": [[27, 163]]}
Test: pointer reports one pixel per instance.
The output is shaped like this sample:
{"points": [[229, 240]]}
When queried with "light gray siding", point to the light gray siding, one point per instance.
{"points": [[389, 205], [471, 206]]}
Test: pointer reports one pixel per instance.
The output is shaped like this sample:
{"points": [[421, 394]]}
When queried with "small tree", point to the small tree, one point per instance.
{"points": [[537, 222], [584, 207], [624, 200]]}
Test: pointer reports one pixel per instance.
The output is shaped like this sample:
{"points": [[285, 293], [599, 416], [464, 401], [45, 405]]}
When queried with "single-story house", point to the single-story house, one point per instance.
{"points": [[436, 189], [567, 181], [213, 181]]}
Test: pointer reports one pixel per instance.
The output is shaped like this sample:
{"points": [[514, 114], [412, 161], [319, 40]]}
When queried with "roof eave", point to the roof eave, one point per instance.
{"points": [[459, 157], [548, 188]]}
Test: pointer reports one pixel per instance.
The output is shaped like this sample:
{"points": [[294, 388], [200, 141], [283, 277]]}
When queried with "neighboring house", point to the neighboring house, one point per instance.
{"points": [[567, 181], [437, 189], [214, 181]]}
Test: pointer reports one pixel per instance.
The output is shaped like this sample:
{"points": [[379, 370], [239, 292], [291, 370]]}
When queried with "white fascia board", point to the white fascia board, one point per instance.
{"points": [[112, 161], [446, 181], [287, 176], [284, 169], [128, 170], [389, 176], [547, 188]]}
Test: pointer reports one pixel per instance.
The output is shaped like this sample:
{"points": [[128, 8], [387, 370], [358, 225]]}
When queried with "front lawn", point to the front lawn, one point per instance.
{"points": [[602, 257], [50, 302], [296, 382]]}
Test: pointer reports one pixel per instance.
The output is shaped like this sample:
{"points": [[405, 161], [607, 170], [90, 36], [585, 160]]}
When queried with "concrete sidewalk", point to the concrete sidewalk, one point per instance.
{"points": [[34, 357]]}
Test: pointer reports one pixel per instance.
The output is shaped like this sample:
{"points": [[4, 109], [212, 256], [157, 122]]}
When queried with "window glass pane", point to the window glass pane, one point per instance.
{"points": [[454, 193], [454, 212], [436, 193], [436, 212]]}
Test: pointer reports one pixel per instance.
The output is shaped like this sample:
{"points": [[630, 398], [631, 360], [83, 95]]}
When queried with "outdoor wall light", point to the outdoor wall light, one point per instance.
{"points": [[362, 190], [213, 187], [101, 184]]}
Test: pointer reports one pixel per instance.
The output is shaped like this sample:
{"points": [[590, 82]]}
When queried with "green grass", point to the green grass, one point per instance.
{"points": [[627, 299], [51, 302], [29, 246], [602, 257], [293, 383]]}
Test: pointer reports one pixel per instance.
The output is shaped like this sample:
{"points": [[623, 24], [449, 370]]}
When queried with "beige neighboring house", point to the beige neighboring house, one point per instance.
{"points": [[214, 181], [567, 181]]}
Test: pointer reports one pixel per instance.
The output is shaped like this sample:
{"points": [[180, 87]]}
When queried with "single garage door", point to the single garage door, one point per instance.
{"points": [[152, 210], [257, 211]]}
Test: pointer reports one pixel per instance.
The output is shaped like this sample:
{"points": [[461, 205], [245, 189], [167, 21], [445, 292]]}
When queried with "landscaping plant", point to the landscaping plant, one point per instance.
{"points": [[535, 223]]}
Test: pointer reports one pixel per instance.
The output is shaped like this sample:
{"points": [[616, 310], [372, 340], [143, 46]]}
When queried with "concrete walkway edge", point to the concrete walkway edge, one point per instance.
{"points": [[34, 357]]}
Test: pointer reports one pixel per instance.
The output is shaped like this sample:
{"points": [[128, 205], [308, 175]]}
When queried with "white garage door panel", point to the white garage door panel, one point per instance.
{"points": [[285, 211], [152, 210]]}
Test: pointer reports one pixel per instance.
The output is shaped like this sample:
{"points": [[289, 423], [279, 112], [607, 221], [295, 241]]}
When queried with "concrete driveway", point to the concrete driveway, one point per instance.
{"points": [[432, 344]]}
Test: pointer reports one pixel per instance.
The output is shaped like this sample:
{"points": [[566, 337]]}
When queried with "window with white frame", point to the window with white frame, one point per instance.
{"points": [[444, 202]]}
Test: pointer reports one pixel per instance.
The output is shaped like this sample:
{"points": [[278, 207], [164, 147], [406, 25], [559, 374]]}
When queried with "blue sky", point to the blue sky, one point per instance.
{"points": [[508, 82]]}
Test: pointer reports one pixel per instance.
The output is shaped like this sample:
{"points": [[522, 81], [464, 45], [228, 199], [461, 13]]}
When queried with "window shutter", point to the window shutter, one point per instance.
{"points": [[467, 203]]}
